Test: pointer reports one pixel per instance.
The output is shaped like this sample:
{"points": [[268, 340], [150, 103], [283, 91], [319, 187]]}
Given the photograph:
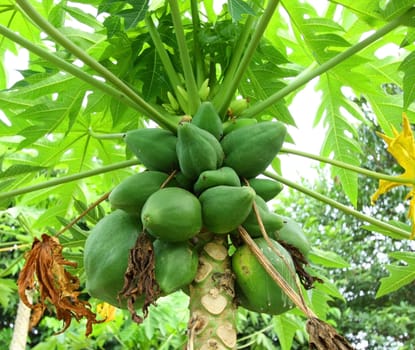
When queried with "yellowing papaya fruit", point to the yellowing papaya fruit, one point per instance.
{"points": [[211, 178], [271, 221], [197, 150], [224, 208], [237, 123], [154, 147], [172, 214], [176, 265], [292, 233], [266, 188], [260, 293], [131, 194], [106, 255], [250, 149], [207, 118]]}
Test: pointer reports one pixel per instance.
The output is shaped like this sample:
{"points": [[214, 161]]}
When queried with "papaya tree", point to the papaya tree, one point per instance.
{"points": [[147, 136]]}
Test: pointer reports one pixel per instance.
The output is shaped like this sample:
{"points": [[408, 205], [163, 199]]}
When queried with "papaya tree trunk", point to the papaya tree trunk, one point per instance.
{"points": [[21, 325], [212, 323]]}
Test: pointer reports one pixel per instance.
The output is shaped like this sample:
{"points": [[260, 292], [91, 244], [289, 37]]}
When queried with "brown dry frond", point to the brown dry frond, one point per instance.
{"points": [[45, 271], [325, 337], [139, 278]]}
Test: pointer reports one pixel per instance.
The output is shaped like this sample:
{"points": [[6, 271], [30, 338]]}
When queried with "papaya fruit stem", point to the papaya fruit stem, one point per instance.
{"points": [[191, 86], [247, 56], [197, 51], [165, 60], [395, 231], [85, 212], [69, 178], [237, 53], [164, 184], [347, 166]]}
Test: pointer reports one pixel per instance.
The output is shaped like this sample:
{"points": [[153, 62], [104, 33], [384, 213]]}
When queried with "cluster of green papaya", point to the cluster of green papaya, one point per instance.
{"points": [[202, 179]]}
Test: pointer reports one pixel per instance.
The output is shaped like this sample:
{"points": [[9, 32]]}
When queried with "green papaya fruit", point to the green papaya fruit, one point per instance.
{"points": [[176, 265], [224, 208], [266, 188], [250, 149], [207, 118], [237, 107], [237, 123], [106, 255], [131, 193], [260, 293], [211, 178], [292, 233], [271, 221], [182, 181], [172, 214], [155, 148], [197, 150]]}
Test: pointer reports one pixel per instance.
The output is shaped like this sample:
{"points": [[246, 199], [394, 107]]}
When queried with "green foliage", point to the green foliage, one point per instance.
{"points": [[102, 69], [400, 275]]}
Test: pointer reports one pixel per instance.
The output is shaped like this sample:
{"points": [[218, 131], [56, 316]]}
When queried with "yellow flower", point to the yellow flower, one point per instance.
{"points": [[402, 148], [106, 311]]}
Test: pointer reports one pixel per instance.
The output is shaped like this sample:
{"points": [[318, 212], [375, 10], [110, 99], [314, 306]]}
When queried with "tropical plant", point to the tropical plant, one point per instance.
{"points": [[191, 88]]}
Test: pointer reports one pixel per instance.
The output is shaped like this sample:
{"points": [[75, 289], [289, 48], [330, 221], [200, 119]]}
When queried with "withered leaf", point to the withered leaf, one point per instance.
{"points": [[45, 271], [139, 278], [325, 337]]}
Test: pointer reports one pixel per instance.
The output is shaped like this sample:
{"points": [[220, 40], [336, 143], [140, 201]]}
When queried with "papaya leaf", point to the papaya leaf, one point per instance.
{"points": [[409, 38], [365, 9], [285, 326], [238, 8], [83, 17], [340, 141], [385, 232], [19, 169], [399, 275], [395, 8], [327, 259], [7, 291], [407, 66]]}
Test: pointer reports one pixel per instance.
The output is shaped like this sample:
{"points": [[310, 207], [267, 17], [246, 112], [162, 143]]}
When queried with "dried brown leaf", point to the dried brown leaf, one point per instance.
{"points": [[45, 271], [325, 337], [139, 278]]}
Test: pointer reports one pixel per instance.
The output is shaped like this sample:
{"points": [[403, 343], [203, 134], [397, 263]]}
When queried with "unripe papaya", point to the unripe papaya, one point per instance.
{"points": [[197, 150], [237, 123], [172, 214], [271, 221], [237, 107], [250, 149], [182, 181], [211, 178], [260, 293], [224, 208], [266, 188], [176, 265], [155, 148], [106, 255], [131, 194], [292, 233], [207, 118]]}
